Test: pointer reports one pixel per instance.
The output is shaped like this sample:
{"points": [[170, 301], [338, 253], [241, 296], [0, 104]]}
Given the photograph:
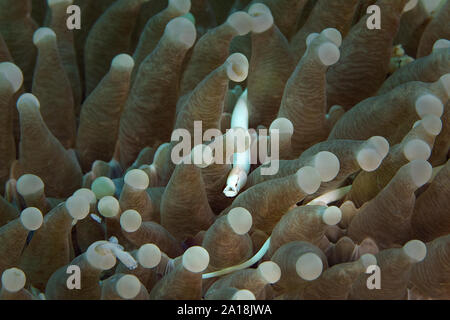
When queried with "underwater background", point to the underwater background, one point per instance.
{"points": [[224, 149]]}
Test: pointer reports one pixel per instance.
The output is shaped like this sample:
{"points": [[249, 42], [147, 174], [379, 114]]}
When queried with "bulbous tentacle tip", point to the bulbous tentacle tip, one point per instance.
{"points": [[181, 30], [52, 3], [332, 216], [102, 187], [283, 125], [108, 207], [411, 4], [429, 104], [190, 17], [309, 266], [241, 21], [128, 286], [420, 172], [445, 80], [416, 250], [308, 179], [240, 220], [27, 102], [270, 271], [29, 184], [195, 259], [368, 259], [88, 194], [431, 124], [13, 279], [328, 53], [99, 258], [137, 179], [237, 68], [130, 220], [31, 218], [78, 207], [43, 34], [310, 38], [149, 255], [123, 62], [182, 6], [262, 18], [380, 144], [333, 35], [327, 164], [243, 294], [417, 150], [369, 159], [441, 44], [202, 156], [13, 74]]}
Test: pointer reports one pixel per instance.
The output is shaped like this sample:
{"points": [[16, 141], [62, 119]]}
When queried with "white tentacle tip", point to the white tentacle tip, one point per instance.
{"points": [[284, 125], [243, 294], [417, 149], [13, 279], [310, 38], [270, 271], [108, 207], [328, 53], [130, 220], [441, 44], [31, 218], [309, 266], [237, 67], [241, 22], [416, 250], [420, 171], [240, 220], [27, 101], [29, 184], [445, 80], [368, 259], [380, 144], [195, 259], [100, 258], [332, 216], [262, 18], [327, 164], [149, 255], [429, 104], [128, 286], [308, 179], [432, 124], [334, 35], [87, 194], [52, 3], [102, 187], [202, 156], [182, 6], [137, 179], [410, 5], [78, 207], [13, 74], [123, 62], [43, 34], [369, 159], [182, 30]]}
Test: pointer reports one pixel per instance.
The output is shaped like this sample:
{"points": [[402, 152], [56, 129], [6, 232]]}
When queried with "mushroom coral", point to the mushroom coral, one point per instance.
{"points": [[224, 150]]}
